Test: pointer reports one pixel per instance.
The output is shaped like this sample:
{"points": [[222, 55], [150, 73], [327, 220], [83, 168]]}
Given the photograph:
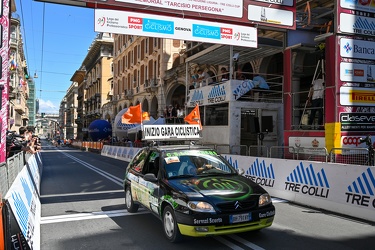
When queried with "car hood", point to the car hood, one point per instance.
{"points": [[222, 187]]}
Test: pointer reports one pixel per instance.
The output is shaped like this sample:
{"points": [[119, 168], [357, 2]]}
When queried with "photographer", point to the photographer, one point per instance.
{"points": [[30, 143]]}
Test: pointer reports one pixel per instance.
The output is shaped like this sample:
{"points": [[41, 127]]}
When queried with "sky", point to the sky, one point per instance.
{"points": [[56, 40]]}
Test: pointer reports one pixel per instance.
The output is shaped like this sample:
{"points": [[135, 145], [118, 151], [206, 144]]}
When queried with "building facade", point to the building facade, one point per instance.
{"points": [[18, 83], [93, 85]]}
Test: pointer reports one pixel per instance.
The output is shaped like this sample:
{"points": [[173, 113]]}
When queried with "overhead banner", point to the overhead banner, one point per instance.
{"points": [[130, 23], [236, 12]]}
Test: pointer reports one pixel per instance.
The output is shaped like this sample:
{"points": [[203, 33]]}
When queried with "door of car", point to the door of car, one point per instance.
{"points": [[147, 187]]}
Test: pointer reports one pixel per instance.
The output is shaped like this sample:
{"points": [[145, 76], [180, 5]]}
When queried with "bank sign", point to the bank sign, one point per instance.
{"points": [[132, 23], [360, 49]]}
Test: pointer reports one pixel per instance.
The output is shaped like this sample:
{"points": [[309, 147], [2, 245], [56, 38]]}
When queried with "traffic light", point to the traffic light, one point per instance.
{"points": [[43, 114]]}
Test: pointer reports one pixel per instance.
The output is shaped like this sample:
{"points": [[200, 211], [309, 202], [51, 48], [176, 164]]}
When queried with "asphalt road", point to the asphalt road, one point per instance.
{"points": [[83, 208]]}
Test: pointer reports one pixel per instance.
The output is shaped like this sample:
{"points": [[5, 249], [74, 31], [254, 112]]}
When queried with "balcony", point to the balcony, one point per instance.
{"points": [[19, 108], [151, 85], [129, 94]]}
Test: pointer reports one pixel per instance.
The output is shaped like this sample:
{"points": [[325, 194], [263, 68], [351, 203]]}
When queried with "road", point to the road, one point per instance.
{"points": [[83, 208]]}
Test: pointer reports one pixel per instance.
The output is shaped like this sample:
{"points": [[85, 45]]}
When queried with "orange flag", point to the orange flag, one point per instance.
{"points": [[134, 115], [194, 117]]}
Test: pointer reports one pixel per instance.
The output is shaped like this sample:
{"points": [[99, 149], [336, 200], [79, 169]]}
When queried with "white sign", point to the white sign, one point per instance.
{"points": [[362, 5], [270, 15], [170, 132], [351, 96], [354, 141], [356, 72], [308, 145], [278, 2], [122, 22], [357, 24], [232, 8], [26, 207], [360, 49]]}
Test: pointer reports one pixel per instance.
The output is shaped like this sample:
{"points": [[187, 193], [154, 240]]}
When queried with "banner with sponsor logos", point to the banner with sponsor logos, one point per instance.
{"points": [[355, 86], [122, 22], [234, 11], [4, 77], [345, 189], [118, 152], [219, 93], [23, 199], [362, 5]]}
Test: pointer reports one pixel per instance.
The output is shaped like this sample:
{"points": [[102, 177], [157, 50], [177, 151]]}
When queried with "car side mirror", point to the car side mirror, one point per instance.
{"points": [[150, 177], [240, 171]]}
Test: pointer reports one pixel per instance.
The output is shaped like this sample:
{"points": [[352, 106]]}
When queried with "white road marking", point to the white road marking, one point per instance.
{"points": [[86, 193], [245, 242], [113, 178], [87, 216], [228, 243]]}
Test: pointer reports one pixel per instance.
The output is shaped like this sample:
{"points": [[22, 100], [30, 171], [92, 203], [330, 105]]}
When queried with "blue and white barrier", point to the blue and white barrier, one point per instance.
{"points": [[345, 189], [23, 200], [118, 152]]}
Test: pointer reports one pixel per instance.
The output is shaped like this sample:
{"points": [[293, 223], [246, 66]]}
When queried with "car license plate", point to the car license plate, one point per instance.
{"points": [[237, 218]]}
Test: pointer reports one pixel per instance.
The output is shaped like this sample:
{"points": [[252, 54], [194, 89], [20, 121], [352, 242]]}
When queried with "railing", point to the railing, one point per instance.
{"points": [[353, 156], [10, 169]]}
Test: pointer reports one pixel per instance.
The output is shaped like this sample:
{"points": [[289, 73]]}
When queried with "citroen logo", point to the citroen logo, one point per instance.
{"points": [[237, 205]]}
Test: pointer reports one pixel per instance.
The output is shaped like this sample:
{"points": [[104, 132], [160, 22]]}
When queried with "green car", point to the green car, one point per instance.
{"points": [[195, 192]]}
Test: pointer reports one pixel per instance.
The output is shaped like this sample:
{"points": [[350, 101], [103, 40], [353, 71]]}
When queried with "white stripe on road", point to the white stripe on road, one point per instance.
{"points": [[87, 216], [245, 242], [86, 193], [228, 243], [113, 178]]}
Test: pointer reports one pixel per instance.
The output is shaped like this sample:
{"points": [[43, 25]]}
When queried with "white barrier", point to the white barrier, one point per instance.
{"points": [[345, 189], [23, 199], [118, 152]]}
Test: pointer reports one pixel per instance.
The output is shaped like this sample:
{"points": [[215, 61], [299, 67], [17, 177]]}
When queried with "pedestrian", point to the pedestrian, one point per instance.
{"points": [[316, 100]]}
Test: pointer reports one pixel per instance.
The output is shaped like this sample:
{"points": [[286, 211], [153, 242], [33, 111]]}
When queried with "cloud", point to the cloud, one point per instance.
{"points": [[47, 107]]}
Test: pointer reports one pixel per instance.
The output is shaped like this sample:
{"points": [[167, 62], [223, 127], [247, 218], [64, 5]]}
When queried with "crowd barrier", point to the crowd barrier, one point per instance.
{"points": [[340, 188], [118, 152], [21, 208]]}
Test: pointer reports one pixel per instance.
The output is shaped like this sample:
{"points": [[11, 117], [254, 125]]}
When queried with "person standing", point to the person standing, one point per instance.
{"points": [[316, 101], [204, 78], [224, 74]]}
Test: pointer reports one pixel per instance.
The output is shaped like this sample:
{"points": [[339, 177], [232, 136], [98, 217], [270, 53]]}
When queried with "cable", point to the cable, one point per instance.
{"points": [[41, 60]]}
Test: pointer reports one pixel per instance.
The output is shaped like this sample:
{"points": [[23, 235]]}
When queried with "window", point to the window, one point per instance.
{"points": [[152, 165], [139, 160], [216, 115]]}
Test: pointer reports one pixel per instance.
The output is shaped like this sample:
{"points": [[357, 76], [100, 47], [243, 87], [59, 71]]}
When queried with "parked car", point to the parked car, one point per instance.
{"points": [[195, 192]]}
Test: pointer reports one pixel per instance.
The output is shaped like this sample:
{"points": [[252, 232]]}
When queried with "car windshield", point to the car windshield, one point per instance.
{"points": [[195, 163]]}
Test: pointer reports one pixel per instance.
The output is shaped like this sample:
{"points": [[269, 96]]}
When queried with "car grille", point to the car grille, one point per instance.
{"points": [[237, 206]]}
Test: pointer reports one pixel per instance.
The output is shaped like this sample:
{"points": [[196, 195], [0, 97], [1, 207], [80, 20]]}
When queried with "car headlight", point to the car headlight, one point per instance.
{"points": [[200, 206], [264, 200]]}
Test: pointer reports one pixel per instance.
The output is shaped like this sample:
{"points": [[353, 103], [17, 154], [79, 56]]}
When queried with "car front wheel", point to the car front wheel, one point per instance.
{"points": [[170, 225], [130, 206]]}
